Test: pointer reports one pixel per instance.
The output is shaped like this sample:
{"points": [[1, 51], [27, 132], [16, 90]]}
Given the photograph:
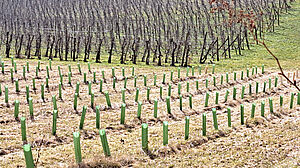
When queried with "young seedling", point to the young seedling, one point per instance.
{"points": [[23, 129], [262, 110], [37, 72], [123, 106], [229, 116], [69, 79], [171, 76], [30, 103], [59, 71], [113, 72], [154, 81], [204, 124], [17, 85], [178, 73], [263, 69], [197, 85], [187, 128], [214, 111], [89, 67], [256, 91], [217, 97], [137, 94], [164, 78], [276, 82], [213, 68], [98, 117], [180, 102], [265, 85], [24, 72], [104, 142], [206, 99], [47, 82], [82, 117], [243, 92], [227, 77], [27, 66], [27, 93], [77, 88], [60, 91], [179, 88], [160, 92], [125, 82], [187, 72], [155, 107], [234, 76], [170, 90], [28, 156], [94, 77], [48, 73], [107, 99], [54, 102], [17, 109], [292, 100], [33, 84], [242, 75], [11, 75], [123, 72], [193, 71], [15, 67], [206, 83], [135, 79], [145, 136], [271, 105], [101, 85], [234, 93], [242, 114], [255, 69], [281, 100], [77, 148], [168, 104], [187, 87], [114, 83], [123, 95], [270, 83], [165, 133], [190, 101], [6, 94], [92, 100], [79, 68], [132, 71], [139, 110], [90, 87], [84, 78], [226, 95], [221, 81], [54, 122], [250, 88], [253, 110], [103, 75]]}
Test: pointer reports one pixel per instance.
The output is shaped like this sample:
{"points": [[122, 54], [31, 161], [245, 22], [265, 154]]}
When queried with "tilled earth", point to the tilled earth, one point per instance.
{"points": [[273, 140]]}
